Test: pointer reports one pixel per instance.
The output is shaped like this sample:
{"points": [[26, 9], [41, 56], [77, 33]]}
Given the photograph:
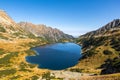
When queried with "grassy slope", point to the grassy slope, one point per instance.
{"points": [[94, 55], [14, 47], [13, 51]]}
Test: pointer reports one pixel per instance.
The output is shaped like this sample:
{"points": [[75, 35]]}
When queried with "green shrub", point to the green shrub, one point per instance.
{"points": [[107, 52], [1, 51], [47, 76], [3, 37], [7, 72], [34, 77], [111, 66], [76, 70], [2, 29], [90, 53], [15, 77], [6, 60]]}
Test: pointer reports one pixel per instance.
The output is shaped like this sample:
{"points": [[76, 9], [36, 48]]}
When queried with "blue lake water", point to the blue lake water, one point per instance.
{"points": [[56, 56]]}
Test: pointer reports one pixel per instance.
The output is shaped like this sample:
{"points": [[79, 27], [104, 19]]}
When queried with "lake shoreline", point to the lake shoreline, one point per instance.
{"points": [[55, 51]]}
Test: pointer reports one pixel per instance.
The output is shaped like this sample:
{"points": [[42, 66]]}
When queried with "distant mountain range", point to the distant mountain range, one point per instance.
{"points": [[45, 32], [100, 47], [25, 28]]}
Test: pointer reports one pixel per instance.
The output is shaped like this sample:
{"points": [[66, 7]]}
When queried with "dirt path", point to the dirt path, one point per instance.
{"points": [[67, 75]]}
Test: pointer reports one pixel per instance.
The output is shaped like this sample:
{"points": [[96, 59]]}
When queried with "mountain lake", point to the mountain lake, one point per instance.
{"points": [[56, 56]]}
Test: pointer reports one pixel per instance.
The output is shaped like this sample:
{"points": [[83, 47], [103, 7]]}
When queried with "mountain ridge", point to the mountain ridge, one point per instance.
{"points": [[10, 26], [113, 25], [8, 23], [44, 31]]}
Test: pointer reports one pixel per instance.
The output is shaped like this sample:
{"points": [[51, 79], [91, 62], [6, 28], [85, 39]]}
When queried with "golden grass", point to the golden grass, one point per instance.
{"points": [[91, 64], [16, 45]]}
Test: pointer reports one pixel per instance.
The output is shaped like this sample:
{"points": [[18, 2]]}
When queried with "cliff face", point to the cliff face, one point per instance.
{"points": [[45, 32]]}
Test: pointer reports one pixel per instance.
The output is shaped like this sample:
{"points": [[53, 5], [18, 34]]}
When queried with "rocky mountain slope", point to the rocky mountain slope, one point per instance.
{"points": [[5, 19], [7, 24], [24, 29], [9, 30], [104, 31], [15, 44], [100, 45], [45, 32]]}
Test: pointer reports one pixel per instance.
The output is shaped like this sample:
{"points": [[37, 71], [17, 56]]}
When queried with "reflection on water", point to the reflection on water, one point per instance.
{"points": [[56, 56]]}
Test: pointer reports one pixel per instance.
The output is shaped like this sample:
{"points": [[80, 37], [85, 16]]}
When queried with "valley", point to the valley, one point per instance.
{"points": [[100, 51], [15, 44]]}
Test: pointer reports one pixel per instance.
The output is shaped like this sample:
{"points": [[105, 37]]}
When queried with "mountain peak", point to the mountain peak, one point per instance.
{"points": [[104, 31], [5, 19], [2, 10], [113, 24], [8, 23]]}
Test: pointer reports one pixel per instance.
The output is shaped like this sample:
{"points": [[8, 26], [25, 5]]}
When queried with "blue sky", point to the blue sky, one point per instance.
{"points": [[74, 17]]}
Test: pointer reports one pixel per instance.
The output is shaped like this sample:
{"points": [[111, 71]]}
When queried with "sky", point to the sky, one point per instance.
{"points": [[74, 17]]}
